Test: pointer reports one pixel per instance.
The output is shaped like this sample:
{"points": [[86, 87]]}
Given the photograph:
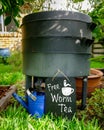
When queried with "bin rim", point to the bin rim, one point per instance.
{"points": [[56, 15]]}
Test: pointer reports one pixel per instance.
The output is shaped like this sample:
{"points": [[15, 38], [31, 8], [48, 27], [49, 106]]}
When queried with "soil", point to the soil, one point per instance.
{"points": [[3, 90], [5, 95]]}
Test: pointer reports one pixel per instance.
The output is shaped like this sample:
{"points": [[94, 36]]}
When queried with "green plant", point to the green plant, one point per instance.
{"points": [[97, 15], [16, 118], [97, 62], [16, 60], [14, 8], [98, 58], [6, 68], [95, 107], [10, 78]]}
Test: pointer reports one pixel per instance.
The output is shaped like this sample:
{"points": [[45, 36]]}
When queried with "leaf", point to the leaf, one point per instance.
{"points": [[16, 22], [1, 11], [20, 2], [7, 20], [101, 10], [15, 11], [101, 21]]}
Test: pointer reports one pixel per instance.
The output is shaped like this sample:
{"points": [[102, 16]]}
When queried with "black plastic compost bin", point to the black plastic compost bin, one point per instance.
{"points": [[57, 41]]}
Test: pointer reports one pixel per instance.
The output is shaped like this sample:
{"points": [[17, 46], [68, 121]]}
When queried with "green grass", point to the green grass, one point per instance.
{"points": [[11, 73], [16, 118], [97, 62], [6, 68], [10, 78]]}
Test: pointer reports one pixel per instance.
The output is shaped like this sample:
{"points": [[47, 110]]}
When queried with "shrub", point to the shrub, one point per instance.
{"points": [[97, 62], [95, 107], [98, 58], [16, 60], [10, 78]]}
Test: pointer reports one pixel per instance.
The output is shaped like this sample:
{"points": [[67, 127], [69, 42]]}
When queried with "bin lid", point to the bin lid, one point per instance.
{"points": [[56, 15]]}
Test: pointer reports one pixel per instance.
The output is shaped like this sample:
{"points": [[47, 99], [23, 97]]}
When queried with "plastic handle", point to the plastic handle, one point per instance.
{"points": [[31, 95], [88, 42], [92, 26]]}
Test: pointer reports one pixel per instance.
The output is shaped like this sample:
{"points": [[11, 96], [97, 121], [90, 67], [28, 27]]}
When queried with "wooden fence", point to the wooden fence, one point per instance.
{"points": [[97, 49]]}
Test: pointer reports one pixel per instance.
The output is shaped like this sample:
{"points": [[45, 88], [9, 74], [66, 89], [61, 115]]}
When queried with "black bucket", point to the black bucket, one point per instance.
{"points": [[55, 40]]}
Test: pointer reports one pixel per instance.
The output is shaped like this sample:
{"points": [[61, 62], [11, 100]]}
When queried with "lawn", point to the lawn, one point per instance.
{"points": [[97, 62], [15, 117]]}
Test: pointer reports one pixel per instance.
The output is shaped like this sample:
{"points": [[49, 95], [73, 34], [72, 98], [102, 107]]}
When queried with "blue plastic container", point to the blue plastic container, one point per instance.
{"points": [[4, 52], [36, 107]]}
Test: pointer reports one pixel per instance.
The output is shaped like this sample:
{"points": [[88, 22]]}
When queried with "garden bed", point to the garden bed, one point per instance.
{"points": [[5, 95]]}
